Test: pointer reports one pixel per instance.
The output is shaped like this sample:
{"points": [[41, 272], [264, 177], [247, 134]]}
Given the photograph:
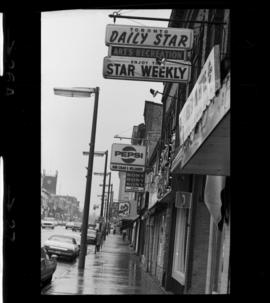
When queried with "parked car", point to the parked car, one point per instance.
{"points": [[93, 226], [61, 223], [69, 225], [77, 237], [48, 222], [64, 246], [48, 266], [91, 236], [77, 226]]}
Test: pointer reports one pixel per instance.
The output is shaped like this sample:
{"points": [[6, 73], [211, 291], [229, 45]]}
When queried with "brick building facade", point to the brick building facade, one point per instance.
{"points": [[181, 241]]}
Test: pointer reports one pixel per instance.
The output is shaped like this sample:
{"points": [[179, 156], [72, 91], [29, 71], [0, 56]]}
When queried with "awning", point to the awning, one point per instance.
{"points": [[207, 150]]}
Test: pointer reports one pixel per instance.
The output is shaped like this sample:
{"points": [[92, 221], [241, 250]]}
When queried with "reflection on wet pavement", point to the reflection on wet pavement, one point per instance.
{"points": [[113, 270]]}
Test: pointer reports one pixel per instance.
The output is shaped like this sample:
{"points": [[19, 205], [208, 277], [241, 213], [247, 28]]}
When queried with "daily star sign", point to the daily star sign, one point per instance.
{"points": [[168, 37], [129, 158], [147, 69]]}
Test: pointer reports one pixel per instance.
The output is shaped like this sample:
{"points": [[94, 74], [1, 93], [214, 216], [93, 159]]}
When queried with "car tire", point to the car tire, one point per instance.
{"points": [[72, 258]]}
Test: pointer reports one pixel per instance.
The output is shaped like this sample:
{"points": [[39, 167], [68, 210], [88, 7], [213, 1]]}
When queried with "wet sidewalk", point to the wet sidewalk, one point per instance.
{"points": [[114, 270]]}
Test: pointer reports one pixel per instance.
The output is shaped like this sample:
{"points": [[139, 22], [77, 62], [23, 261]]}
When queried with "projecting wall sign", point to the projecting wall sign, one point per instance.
{"points": [[134, 182], [145, 69], [142, 36], [126, 157], [124, 209]]}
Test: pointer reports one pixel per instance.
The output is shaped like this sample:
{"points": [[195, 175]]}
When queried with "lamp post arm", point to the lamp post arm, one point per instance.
{"points": [[88, 185]]}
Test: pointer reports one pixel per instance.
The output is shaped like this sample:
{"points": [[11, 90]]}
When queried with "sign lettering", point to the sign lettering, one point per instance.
{"points": [[203, 91], [145, 69], [125, 51], [134, 182], [173, 38]]}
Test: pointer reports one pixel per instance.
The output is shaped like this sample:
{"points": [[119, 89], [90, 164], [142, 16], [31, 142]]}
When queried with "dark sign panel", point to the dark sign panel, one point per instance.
{"points": [[125, 51], [134, 182]]}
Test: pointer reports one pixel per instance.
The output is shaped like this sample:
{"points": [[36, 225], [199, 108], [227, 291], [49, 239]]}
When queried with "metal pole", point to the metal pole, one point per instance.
{"points": [[114, 16], [86, 207], [108, 198], [108, 202], [104, 184]]}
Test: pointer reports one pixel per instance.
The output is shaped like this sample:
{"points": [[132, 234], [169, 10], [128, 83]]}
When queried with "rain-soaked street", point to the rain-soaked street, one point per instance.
{"points": [[114, 270]]}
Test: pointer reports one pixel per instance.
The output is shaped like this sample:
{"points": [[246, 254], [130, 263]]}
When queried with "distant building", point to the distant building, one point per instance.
{"points": [[49, 182]]}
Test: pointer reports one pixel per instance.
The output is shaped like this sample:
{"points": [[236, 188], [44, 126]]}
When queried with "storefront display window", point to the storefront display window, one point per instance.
{"points": [[178, 269]]}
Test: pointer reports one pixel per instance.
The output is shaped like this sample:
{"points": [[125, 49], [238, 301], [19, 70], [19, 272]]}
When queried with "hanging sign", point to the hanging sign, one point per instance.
{"points": [[145, 69], [144, 36], [124, 208], [203, 91], [126, 157], [134, 182]]}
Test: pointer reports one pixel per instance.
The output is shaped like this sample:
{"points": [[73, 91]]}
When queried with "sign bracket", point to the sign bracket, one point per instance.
{"points": [[117, 15]]}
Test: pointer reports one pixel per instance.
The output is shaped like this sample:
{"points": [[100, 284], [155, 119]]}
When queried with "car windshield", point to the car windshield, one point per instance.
{"points": [[62, 239]]}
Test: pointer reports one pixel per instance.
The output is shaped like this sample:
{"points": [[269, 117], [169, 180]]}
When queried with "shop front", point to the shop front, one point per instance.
{"points": [[204, 132]]}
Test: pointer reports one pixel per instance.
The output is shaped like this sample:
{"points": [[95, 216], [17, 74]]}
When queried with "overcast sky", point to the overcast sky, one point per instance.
{"points": [[72, 52]]}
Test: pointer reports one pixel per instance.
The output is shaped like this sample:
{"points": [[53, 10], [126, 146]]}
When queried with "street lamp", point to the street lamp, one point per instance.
{"points": [[155, 92], [84, 92]]}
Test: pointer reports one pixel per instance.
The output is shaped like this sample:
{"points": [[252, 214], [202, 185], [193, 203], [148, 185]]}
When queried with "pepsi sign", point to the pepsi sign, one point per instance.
{"points": [[128, 157]]}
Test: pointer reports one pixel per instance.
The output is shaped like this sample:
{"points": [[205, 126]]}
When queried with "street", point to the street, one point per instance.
{"points": [[113, 270]]}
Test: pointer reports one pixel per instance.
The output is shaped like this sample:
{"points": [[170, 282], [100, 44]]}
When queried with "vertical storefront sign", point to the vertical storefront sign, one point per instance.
{"points": [[202, 93]]}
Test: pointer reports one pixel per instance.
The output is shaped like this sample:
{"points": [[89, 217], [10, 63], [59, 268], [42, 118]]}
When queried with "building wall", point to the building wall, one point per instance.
{"points": [[153, 123], [168, 227]]}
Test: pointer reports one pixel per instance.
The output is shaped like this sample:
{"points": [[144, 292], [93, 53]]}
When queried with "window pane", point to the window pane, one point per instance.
{"points": [[179, 245]]}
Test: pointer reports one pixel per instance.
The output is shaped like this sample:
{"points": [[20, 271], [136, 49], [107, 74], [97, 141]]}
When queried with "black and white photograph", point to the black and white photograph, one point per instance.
{"points": [[123, 150]]}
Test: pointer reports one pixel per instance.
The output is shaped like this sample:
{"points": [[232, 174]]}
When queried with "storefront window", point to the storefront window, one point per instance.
{"points": [[178, 270]]}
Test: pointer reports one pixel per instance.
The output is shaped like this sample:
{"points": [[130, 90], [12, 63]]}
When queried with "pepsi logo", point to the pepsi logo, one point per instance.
{"points": [[129, 154]]}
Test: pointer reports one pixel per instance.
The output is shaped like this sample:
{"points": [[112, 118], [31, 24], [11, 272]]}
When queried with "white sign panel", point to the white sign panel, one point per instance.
{"points": [[143, 36], [127, 168], [126, 157], [203, 91], [145, 69]]}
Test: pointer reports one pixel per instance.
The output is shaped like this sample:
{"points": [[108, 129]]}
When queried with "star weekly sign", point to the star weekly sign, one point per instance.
{"points": [[145, 68]]}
